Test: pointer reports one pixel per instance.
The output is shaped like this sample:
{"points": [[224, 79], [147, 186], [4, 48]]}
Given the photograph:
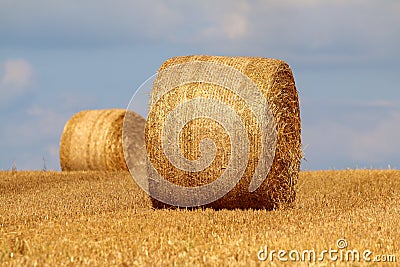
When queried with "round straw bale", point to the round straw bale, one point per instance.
{"points": [[207, 144], [92, 140]]}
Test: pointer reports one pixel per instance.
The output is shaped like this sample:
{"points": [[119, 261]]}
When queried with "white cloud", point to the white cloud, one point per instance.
{"points": [[92, 23], [53, 151], [225, 22], [334, 141], [306, 30], [32, 135], [380, 103], [47, 122], [17, 77], [34, 125], [380, 142], [235, 26]]}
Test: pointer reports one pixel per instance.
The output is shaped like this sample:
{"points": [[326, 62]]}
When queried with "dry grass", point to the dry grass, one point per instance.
{"points": [[104, 219]]}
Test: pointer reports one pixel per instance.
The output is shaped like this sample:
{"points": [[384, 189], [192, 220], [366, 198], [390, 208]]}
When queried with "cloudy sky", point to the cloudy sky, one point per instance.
{"points": [[58, 57]]}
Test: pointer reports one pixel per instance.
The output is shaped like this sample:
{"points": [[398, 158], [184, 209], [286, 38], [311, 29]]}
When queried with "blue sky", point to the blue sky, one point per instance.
{"points": [[58, 57]]}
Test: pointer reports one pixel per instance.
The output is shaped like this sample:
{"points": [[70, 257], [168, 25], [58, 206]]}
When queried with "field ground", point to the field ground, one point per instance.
{"points": [[104, 219]]}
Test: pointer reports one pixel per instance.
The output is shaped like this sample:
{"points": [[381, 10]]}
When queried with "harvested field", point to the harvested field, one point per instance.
{"points": [[103, 219]]}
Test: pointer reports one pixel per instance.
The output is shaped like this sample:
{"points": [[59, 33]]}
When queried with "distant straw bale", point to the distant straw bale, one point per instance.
{"points": [[92, 140]]}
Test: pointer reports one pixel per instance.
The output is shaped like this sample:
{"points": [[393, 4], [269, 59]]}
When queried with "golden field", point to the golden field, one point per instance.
{"points": [[104, 219]]}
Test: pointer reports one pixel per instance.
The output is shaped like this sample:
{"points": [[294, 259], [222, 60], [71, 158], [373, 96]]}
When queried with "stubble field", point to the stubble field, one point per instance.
{"points": [[104, 219]]}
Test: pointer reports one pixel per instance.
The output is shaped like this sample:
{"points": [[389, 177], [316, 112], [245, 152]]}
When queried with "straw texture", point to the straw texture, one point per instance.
{"points": [[274, 80]]}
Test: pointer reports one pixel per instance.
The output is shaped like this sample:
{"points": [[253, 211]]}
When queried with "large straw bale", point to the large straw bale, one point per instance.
{"points": [[275, 81]]}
